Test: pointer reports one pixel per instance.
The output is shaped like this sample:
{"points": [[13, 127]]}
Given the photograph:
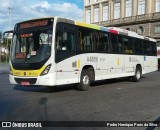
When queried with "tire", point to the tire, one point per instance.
{"points": [[138, 74], [84, 81]]}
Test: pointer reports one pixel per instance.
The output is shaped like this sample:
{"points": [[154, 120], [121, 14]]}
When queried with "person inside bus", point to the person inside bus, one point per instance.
{"points": [[44, 49]]}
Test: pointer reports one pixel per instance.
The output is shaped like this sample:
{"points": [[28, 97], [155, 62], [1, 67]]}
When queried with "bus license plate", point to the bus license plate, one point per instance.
{"points": [[25, 83]]}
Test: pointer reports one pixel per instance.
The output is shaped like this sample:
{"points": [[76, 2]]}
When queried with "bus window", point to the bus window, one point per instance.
{"points": [[113, 43], [86, 39], [146, 46], [103, 42], [59, 40], [120, 44], [138, 45], [116, 44], [128, 45], [97, 40], [153, 49], [70, 42], [67, 44]]}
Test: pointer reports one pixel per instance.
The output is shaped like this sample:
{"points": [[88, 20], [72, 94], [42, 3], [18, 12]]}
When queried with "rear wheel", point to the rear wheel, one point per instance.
{"points": [[84, 81], [138, 74]]}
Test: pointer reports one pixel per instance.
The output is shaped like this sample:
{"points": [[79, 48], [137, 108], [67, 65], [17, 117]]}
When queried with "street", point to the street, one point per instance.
{"points": [[109, 100]]}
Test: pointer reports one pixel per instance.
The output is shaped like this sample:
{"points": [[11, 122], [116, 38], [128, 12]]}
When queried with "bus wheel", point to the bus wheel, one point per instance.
{"points": [[84, 81], [138, 74]]}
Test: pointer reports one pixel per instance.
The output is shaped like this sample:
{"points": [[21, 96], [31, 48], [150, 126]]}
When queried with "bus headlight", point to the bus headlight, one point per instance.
{"points": [[46, 70]]}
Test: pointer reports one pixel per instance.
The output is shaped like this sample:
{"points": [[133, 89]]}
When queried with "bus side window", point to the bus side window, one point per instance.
{"points": [[86, 39], [97, 40], [153, 48], [88, 45], [116, 42], [65, 37], [80, 40], [138, 46], [59, 40], [81, 37], [113, 43], [146, 46], [120, 44], [70, 42], [128, 45], [103, 42]]}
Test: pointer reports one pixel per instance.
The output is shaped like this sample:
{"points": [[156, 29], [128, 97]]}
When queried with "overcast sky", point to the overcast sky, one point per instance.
{"points": [[28, 9]]}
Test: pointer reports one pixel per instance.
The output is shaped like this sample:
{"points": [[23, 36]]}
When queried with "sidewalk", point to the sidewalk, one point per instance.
{"points": [[4, 69]]}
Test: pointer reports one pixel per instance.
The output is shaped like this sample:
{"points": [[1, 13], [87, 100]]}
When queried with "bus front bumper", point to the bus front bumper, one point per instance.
{"points": [[45, 80]]}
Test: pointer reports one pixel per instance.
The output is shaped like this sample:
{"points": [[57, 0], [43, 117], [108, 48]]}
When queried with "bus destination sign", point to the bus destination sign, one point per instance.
{"points": [[33, 24]]}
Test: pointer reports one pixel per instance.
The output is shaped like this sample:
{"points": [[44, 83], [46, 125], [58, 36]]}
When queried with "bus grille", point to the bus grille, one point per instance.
{"points": [[30, 80]]}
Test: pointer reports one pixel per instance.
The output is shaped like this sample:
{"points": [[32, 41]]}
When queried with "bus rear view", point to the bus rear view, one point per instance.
{"points": [[31, 48]]}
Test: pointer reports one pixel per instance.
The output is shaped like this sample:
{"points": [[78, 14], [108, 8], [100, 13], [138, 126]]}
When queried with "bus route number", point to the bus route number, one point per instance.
{"points": [[92, 59]]}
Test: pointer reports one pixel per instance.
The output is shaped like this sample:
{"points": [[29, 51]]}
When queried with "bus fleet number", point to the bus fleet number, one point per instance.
{"points": [[92, 59]]}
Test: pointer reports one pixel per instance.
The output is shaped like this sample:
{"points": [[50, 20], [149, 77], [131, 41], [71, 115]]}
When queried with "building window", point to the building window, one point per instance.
{"points": [[105, 13], [96, 15], [116, 10], [157, 5], [128, 8], [157, 29], [140, 30], [95, 0], [88, 2], [88, 16], [141, 7]]}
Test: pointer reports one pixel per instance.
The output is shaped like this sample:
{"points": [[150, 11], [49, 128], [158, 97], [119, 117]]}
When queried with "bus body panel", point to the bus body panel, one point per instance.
{"points": [[69, 70], [108, 66]]}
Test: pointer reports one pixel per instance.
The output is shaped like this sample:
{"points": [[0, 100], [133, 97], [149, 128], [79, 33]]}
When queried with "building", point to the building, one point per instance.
{"points": [[141, 16]]}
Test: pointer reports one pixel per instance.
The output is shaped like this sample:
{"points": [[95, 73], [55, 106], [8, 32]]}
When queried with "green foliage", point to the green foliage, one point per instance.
{"points": [[4, 44], [3, 58], [1, 34]]}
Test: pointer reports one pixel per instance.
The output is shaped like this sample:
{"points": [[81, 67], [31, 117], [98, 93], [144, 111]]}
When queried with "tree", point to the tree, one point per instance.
{"points": [[1, 35]]}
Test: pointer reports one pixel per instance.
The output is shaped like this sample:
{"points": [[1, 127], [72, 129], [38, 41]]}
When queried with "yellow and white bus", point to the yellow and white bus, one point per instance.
{"points": [[56, 51]]}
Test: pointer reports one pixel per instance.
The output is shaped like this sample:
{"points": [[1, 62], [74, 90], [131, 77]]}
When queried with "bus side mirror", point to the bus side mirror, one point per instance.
{"points": [[64, 36]]}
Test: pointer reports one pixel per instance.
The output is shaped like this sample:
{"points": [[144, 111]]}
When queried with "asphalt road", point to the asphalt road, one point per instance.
{"points": [[109, 100]]}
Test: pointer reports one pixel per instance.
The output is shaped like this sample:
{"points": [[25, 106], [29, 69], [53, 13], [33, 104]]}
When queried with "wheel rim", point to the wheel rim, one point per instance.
{"points": [[138, 74], [85, 80]]}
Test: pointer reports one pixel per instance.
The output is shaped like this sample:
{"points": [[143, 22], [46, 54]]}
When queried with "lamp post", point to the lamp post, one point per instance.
{"points": [[9, 11]]}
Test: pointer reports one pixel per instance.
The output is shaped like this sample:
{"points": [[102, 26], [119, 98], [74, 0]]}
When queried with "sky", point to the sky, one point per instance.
{"points": [[28, 9]]}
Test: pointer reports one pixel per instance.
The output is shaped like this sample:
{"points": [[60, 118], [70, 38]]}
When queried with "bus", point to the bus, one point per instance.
{"points": [[158, 56], [58, 51]]}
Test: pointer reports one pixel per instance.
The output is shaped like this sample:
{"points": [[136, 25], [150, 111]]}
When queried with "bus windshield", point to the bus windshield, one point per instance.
{"points": [[31, 45]]}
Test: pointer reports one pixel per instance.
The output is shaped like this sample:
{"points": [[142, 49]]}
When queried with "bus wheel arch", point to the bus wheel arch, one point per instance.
{"points": [[86, 77], [138, 73]]}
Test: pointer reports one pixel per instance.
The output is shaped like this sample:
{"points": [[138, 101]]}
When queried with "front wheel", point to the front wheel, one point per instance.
{"points": [[84, 81], [138, 74]]}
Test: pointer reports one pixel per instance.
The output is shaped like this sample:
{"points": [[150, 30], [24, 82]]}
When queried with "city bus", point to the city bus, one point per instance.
{"points": [[158, 56], [58, 51]]}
